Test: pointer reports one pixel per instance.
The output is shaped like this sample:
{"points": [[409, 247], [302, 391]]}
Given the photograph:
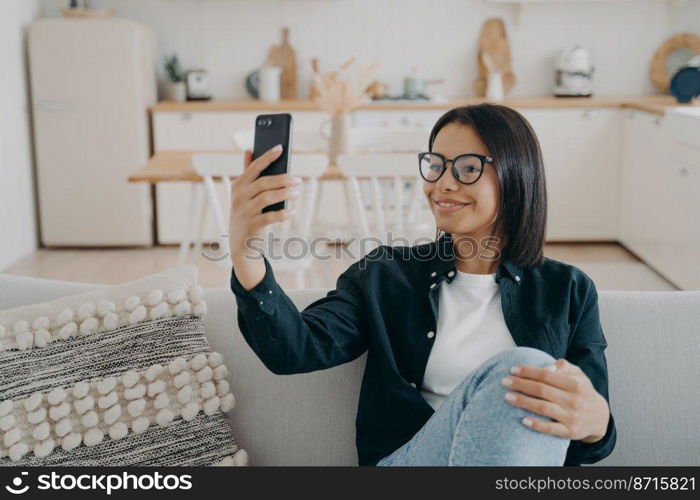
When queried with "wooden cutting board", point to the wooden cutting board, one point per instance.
{"points": [[283, 55], [493, 43]]}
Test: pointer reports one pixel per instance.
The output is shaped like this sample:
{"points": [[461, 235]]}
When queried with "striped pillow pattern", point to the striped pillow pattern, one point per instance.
{"points": [[120, 376]]}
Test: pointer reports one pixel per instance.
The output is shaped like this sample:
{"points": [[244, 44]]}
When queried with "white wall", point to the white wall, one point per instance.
{"points": [[18, 232], [231, 37]]}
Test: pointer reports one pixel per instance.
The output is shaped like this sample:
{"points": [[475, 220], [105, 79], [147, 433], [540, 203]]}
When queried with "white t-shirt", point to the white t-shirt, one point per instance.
{"points": [[470, 329]]}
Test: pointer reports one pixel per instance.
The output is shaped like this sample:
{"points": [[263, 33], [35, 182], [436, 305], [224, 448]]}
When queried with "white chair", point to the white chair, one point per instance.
{"points": [[394, 194], [210, 165], [228, 165]]}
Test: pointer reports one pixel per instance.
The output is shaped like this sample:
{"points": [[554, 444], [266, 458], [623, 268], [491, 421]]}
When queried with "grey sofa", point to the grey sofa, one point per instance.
{"points": [[308, 419]]}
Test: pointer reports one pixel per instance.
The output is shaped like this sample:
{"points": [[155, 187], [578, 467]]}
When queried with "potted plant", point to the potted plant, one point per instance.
{"points": [[175, 84]]}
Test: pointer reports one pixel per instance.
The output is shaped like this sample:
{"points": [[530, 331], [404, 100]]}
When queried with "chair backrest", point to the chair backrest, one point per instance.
{"points": [[389, 186], [218, 164], [243, 139]]}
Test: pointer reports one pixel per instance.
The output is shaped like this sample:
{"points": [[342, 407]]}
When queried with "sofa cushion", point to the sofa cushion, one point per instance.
{"points": [[120, 375]]}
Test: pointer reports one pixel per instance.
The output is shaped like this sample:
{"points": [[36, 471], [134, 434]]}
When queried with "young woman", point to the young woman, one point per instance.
{"points": [[481, 351]]}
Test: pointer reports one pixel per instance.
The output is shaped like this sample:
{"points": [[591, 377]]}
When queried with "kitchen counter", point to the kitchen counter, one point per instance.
{"points": [[650, 103]]}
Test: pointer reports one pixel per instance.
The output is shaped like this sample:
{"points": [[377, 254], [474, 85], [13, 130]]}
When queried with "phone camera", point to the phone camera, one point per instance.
{"points": [[261, 122], [269, 122]]}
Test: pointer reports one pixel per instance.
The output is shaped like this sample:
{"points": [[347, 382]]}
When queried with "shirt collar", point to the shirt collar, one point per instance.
{"points": [[443, 262]]}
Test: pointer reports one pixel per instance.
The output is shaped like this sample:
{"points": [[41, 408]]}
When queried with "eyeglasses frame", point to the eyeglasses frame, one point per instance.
{"points": [[484, 160]]}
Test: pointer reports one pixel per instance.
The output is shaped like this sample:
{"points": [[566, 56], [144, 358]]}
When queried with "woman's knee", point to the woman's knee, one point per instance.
{"points": [[499, 364], [522, 355]]}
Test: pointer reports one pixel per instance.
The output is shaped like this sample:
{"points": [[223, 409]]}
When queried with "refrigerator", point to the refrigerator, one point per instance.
{"points": [[92, 83]]}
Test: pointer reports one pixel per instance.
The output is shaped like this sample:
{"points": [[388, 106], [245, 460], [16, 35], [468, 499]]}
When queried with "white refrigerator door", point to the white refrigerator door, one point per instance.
{"points": [[92, 83]]}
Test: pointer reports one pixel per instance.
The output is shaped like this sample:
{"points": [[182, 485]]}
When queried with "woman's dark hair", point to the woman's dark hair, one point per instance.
{"points": [[522, 215]]}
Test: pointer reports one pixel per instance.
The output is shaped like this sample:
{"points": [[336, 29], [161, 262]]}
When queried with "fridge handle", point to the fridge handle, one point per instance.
{"points": [[54, 105]]}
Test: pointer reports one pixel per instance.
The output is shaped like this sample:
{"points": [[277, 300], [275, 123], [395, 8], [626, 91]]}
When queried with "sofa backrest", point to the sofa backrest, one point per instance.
{"points": [[309, 419]]}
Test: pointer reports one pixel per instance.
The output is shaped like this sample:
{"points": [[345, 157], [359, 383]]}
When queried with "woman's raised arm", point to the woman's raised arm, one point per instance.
{"points": [[329, 332]]}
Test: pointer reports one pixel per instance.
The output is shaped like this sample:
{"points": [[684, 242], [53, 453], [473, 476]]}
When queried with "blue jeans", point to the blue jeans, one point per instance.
{"points": [[475, 425]]}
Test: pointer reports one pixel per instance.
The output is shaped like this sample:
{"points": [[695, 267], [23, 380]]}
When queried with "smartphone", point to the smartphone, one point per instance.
{"points": [[271, 130]]}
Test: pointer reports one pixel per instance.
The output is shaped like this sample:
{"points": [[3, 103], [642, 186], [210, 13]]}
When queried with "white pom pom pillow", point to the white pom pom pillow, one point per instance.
{"points": [[120, 376]]}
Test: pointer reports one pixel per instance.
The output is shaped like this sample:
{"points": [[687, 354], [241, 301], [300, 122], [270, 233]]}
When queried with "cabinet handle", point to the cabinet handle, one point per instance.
{"points": [[684, 171], [54, 105], [186, 116], [590, 113]]}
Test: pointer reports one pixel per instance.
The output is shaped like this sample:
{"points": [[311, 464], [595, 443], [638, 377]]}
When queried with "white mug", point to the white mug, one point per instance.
{"points": [[269, 83]]}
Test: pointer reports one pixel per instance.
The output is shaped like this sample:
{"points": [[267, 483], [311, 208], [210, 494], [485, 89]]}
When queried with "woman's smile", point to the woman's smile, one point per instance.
{"points": [[447, 206]]}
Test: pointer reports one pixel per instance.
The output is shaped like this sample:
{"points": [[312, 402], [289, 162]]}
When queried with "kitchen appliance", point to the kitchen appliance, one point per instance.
{"points": [[92, 82], [198, 85], [574, 73]]}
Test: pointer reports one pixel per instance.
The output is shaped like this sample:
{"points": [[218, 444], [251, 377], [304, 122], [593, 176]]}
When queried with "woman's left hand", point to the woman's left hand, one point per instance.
{"points": [[566, 395]]}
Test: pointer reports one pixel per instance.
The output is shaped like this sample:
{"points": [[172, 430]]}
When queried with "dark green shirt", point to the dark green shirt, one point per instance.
{"points": [[386, 304]]}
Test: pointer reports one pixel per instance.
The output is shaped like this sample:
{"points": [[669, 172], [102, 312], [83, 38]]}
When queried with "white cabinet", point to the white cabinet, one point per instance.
{"points": [[642, 189], [420, 119], [660, 200], [201, 131], [683, 238], [584, 175], [580, 150]]}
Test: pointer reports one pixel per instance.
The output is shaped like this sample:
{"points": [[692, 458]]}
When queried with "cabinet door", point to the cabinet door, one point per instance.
{"points": [[200, 130], [644, 194], [421, 119], [679, 236], [585, 174]]}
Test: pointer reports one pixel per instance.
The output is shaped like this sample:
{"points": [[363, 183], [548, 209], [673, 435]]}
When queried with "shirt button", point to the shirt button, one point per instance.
{"points": [[432, 275], [451, 273], [432, 285], [269, 291], [517, 278], [413, 384], [261, 302], [431, 334]]}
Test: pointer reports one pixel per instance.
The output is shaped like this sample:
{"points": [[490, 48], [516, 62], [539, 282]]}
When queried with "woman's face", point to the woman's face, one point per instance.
{"points": [[478, 203]]}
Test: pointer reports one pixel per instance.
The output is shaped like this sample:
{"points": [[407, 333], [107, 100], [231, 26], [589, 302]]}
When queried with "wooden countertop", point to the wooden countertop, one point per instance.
{"points": [[650, 103]]}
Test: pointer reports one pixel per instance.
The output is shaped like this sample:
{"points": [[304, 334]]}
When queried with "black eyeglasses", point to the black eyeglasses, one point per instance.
{"points": [[466, 168]]}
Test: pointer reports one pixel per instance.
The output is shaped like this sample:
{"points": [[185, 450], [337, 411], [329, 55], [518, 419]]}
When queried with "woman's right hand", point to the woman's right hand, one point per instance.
{"points": [[250, 193]]}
